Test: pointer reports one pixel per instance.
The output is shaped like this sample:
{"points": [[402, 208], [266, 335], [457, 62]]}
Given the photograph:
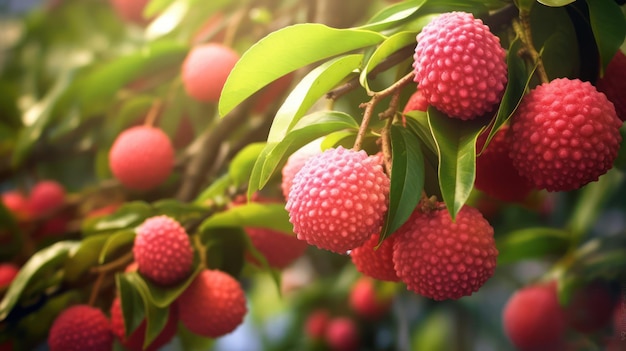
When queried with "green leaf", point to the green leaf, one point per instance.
{"points": [[417, 122], [531, 243], [129, 215], [270, 59], [193, 342], [114, 242], [215, 191], [180, 211], [252, 214], [407, 179], [42, 261], [131, 303], [84, 257], [609, 28], [164, 296], [241, 166], [384, 50], [225, 248], [456, 145], [344, 138], [555, 3], [393, 15], [310, 89], [155, 6]]}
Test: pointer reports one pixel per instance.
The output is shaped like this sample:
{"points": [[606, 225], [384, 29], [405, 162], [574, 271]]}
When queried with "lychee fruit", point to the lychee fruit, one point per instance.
{"points": [[205, 70], [444, 259], [564, 135], [131, 10], [366, 301], [279, 249], [163, 251], [141, 157], [376, 262], [590, 308], [16, 203], [294, 164], [533, 319], [342, 334], [213, 305], [46, 196], [495, 174], [460, 65], [135, 340], [417, 102], [80, 327], [613, 83], [316, 323], [338, 199], [8, 271]]}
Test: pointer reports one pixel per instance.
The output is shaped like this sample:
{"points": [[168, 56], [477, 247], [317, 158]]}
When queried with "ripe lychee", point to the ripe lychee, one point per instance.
{"points": [[338, 199], [205, 70], [131, 10], [213, 305], [460, 65], [444, 259], [81, 327], [163, 251], [564, 135], [613, 83], [134, 341], [590, 308], [342, 334], [141, 157], [495, 174], [294, 164], [279, 249], [46, 196], [376, 262], [316, 323], [16, 203], [533, 318], [8, 271], [366, 301], [417, 102]]}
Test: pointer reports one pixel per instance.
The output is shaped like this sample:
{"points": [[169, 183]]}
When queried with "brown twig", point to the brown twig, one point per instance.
{"points": [[114, 265], [523, 30]]}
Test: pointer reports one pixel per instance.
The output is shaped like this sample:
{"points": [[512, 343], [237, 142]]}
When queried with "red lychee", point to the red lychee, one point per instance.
{"points": [[376, 262], [134, 341], [213, 305], [79, 328], [205, 70], [141, 157], [279, 249], [366, 302], [294, 163], [342, 334], [444, 259], [316, 323], [131, 10], [417, 102], [564, 135], [533, 318], [17, 203], [338, 199], [460, 65], [495, 174], [613, 83], [46, 196], [590, 308], [8, 271], [163, 251]]}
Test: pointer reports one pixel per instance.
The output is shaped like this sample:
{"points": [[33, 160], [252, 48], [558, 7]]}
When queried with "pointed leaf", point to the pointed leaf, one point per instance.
{"points": [[609, 27], [115, 241], [393, 15], [164, 296], [85, 256], [384, 50], [131, 303], [241, 166], [129, 215], [252, 214]]}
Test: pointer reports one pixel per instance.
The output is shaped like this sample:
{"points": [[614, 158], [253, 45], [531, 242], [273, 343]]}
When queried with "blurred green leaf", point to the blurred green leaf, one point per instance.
{"points": [[225, 248], [270, 59], [193, 342], [216, 191], [115, 241], [609, 28], [384, 50], [531, 243], [433, 334], [180, 211], [252, 214], [84, 257], [131, 302], [164, 296], [129, 215], [241, 166], [555, 3]]}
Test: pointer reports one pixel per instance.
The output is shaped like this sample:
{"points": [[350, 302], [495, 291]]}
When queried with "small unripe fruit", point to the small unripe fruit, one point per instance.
{"points": [[163, 251], [613, 83], [8, 271], [316, 324], [366, 302], [460, 65], [338, 199], [376, 262], [564, 135], [213, 305], [141, 157], [205, 70], [342, 334], [46, 196], [80, 328]]}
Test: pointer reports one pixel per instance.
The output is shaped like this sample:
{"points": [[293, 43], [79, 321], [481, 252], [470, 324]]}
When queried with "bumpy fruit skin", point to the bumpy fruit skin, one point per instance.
{"points": [[338, 199], [590, 308], [613, 83], [213, 305], [279, 249], [365, 301], [564, 135], [46, 196], [441, 259], [8, 271], [316, 324], [460, 65], [134, 341], [376, 263], [495, 174], [417, 102], [294, 164], [342, 334], [142, 157], [130, 10], [533, 319], [205, 70], [163, 251], [79, 328]]}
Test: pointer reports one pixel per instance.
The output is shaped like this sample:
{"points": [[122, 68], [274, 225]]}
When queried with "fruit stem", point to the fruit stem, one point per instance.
{"points": [[153, 113], [96, 288], [114, 265], [233, 25], [386, 145], [523, 30]]}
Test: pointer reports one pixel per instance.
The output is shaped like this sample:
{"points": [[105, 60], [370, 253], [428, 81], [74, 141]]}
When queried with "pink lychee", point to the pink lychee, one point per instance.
{"points": [[205, 70], [376, 262], [79, 328]]}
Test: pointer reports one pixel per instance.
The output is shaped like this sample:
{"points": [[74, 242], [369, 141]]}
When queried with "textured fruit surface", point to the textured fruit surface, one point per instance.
{"points": [[8, 271], [213, 305], [533, 319], [441, 259], [294, 164], [80, 328], [376, 262], [130, 10], [163, 251], [46, 196], [366, 302], [460, 65], [134, 341], [279, 249], [417, 102], [590, 307], [564, 135], [316, 324], [342, 334], [205, 70], [495, 173], [338, 199], [141, 157], [613, 83]]}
